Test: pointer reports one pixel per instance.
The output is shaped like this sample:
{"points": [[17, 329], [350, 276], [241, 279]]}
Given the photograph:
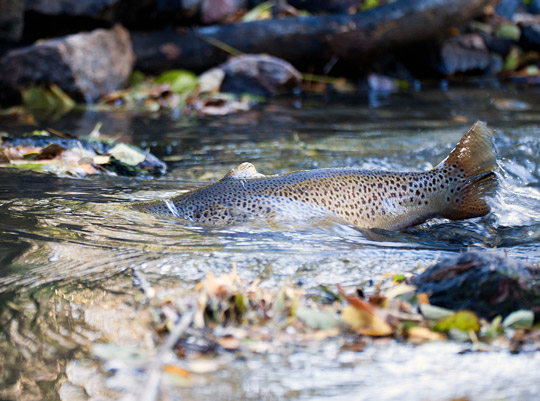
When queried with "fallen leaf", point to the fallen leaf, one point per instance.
{"points": [[316, 319], [423, 334], [203, 366], [259, 12], [520, 319], [175, 370], [399, 290], [210, 81], [433, 312], [423, 298], [126, 154], [101, 159], [508, 30], [179, 81], [365, 322], [229, 342], [463, 320]]}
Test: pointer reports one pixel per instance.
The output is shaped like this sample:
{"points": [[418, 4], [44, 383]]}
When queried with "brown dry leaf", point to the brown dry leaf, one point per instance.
{"points": [[114, 96], [4, 155], [175, 370], [423, 298], [459, 119], [362, 317], [229, 342], [51, 151], [365, 322]]}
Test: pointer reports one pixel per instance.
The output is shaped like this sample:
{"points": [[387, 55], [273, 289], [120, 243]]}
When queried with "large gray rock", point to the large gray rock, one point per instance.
{"points": [[259, 74], [464, 53], [86, 66]]}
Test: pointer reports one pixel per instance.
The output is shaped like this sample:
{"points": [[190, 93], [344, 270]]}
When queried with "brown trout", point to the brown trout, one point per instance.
{"points": [[454, 189]]}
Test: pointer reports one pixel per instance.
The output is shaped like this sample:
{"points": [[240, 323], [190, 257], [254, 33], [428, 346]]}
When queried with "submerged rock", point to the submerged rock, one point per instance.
{"points": [[486, 283], [86, 65], [259, 74], [464, 53]]}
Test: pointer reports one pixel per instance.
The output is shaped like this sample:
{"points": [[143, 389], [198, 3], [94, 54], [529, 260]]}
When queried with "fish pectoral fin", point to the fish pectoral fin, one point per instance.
{"points": [[244, 171]]}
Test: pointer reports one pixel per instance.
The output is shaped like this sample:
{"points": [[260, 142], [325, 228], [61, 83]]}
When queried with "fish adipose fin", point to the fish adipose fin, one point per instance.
{"points": [[244, 171], [470, 167]]}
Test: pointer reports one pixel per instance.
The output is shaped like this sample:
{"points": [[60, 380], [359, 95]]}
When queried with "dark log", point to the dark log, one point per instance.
{"points": [[11, 20], [306, 40]]}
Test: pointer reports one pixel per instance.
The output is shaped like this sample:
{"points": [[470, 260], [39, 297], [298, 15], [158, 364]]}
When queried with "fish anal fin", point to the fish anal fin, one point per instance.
{"points": [[243, 171], [471, 201]]}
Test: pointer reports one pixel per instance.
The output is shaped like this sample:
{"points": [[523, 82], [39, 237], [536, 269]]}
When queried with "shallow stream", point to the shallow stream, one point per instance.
{"points": [[69, 248]]}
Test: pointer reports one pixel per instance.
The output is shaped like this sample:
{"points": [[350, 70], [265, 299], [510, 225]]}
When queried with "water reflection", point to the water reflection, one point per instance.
{"points": [[68, 246]]}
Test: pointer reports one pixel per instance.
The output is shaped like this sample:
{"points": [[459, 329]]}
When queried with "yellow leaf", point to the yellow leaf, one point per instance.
{"points": [[365, 322]]}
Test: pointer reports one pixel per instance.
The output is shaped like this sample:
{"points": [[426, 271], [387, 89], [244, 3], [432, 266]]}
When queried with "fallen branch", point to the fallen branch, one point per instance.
{"points": [[306, 40], [151, 386]]}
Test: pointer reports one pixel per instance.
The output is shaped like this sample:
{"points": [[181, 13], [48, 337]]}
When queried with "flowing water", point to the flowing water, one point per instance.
{"points": [[69, 247]]}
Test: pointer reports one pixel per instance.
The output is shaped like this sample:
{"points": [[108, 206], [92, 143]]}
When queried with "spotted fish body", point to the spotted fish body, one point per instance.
{"points": [[455, 189]]}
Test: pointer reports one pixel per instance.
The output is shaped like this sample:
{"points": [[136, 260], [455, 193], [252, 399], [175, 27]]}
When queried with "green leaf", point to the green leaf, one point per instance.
{"points": [[41, 133], [369, 4], [258, 12], [508, 31], [49, 101], [136, 79], [520, 319], [532, 70], [493, 329], [180, 81], [512, 59], [316, 319], [463, 320], [458, 335], [34, 166], [434, 312], [126, 154], [240, 303]]}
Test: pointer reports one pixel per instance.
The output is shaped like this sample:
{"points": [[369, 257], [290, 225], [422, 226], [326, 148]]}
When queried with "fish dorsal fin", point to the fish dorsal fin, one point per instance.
{"points": [[243, 171], [475, 153]]}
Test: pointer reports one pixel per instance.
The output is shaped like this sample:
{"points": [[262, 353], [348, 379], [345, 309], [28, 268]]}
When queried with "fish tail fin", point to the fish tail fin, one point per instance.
{"points": [[470, 168]]}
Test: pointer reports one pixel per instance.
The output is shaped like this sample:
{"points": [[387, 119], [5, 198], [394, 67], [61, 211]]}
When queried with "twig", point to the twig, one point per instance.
{"points": [[143, 284], [151, 386], [221, 45]]}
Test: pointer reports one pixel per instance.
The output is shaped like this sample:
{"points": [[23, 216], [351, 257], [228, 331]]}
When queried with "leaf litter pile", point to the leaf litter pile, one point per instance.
{"points": [[44, 152], [228, 315]]}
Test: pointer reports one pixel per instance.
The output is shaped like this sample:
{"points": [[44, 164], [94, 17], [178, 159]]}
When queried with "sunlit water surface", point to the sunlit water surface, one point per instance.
{"points": [[69, 247]]}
